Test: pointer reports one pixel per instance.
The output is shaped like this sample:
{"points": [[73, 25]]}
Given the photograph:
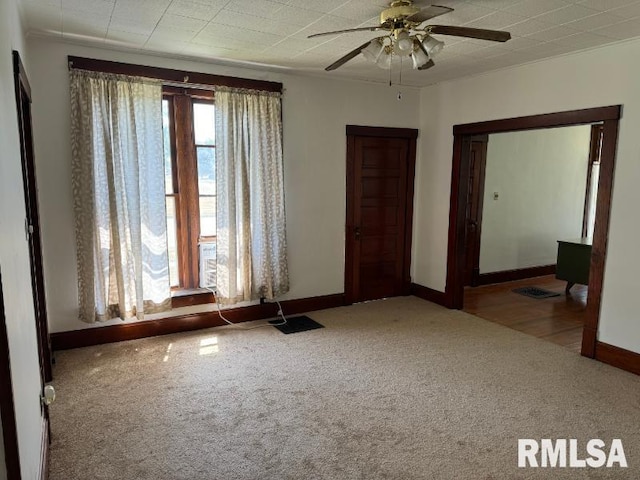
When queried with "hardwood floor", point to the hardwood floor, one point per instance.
{"points": [[556, 319]]}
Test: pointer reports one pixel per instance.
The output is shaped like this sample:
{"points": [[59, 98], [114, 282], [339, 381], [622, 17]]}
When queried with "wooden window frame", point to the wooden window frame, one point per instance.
{"points": [[171, 76], [184, 170]]}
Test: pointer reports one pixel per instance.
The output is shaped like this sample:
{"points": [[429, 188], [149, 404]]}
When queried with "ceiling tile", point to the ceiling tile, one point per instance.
{"points": [[126, 38], [621, 31], [489, 52], [133, 25], [518, 43], [566, 14], [292, 45], [171, 34], [97, 7], [554, 33], [82, 23], [196, 9], [604, 5], [532, 8], [33, 4], [496, 21], [464, 14], [359, 11], [187, 24], [326, 23], [600, 20], [162, 45], [463, 48], [251, 22], [260, 8], [583, 40], [497, 4], [224, 35], [324, 6], [528, 27], [142, 9], [627, 12]]}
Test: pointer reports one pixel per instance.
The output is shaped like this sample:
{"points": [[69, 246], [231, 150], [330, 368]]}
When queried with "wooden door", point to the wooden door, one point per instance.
{"points": [[380, 176], [23, 103], [473, 224]]}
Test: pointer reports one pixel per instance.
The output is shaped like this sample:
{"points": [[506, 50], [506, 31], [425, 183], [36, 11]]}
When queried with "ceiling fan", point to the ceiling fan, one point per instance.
{"points": [[407, 38]]}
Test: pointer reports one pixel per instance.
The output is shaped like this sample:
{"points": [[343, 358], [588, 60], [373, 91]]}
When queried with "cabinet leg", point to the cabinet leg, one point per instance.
{"points": [[567, 290]]}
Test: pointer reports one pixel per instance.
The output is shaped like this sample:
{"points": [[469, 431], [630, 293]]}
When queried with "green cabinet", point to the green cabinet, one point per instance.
{"points": [[574, 260]]}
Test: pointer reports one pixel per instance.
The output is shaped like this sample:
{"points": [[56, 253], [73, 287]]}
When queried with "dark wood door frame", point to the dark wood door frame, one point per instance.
{"points": [[7, 410], [594, 156], [23, 106], [610, 116], [474, 218], [364, 131]]}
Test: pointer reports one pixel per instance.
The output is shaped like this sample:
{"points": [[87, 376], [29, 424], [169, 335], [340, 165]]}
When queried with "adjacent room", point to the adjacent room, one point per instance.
{"points": [[531, 207], [342, 239]]}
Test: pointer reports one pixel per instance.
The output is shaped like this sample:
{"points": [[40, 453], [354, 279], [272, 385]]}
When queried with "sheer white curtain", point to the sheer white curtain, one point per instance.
{"points": [[251, 240], [118, 187]]}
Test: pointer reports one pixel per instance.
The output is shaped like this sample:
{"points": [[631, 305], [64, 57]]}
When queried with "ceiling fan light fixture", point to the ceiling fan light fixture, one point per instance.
{"points": [[373, 51], [432, 46], [384, 60], [418, 57], [403, 44]]}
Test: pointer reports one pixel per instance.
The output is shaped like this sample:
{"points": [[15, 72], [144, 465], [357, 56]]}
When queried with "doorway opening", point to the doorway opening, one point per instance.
{"points": [[468, 237]]}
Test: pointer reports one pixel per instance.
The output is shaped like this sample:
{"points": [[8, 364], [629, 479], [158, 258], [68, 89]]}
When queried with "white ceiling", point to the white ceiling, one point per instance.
{"points": [[273, 32]]}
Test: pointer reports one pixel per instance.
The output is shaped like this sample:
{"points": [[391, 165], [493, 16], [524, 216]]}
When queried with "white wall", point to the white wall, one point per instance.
{"points": [[14, 257], [540, 177], [315, 112], [599, 77]]}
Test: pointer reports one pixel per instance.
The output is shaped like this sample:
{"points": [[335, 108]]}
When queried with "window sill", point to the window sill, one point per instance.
{"points": [[187, 297]]}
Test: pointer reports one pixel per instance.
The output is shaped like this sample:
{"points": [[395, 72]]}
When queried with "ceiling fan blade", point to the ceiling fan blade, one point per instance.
{"points": [[479, 33], [337, 32], [429, 64], [429, 12], [352, 54]]}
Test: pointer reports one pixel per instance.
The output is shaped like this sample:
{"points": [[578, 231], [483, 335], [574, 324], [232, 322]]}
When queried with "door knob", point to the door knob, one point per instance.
{"points": [[357, 232], [48, 395]]}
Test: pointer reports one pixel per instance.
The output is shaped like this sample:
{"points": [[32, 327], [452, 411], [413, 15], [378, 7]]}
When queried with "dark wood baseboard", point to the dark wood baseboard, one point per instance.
{"points": [[428, 294], [183, 323], [518, 274], [44, 451], [618, 357]]}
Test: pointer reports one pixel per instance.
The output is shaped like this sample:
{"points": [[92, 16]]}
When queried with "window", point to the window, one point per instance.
{"points": [[190, 183], [179, 180]]}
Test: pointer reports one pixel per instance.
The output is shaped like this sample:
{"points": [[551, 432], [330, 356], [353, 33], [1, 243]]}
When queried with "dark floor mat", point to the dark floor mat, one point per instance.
{"points": [[296, 324], [535, 292]]}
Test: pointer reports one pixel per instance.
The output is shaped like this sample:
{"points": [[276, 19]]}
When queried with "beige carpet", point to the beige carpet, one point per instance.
{"points": [[394, 389]]}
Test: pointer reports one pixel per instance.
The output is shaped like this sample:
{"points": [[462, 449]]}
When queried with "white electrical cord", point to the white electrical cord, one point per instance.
{"points": [[280, 313]]}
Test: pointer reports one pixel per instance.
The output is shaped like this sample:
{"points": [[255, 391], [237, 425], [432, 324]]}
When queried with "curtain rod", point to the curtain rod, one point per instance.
{"points": [[175, 77]]}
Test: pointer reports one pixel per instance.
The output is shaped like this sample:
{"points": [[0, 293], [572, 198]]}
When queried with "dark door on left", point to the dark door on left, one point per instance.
{"points": [[380, 177], [32, 222]]}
